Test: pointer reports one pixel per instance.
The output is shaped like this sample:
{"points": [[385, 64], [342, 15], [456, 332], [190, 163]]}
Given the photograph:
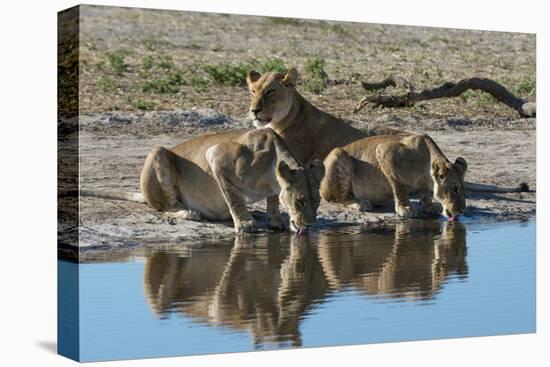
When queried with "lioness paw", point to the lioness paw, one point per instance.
{"points": [[433, 209], [248, 226], [361, 205], [406, 211], [193, 215], [186, 215]]}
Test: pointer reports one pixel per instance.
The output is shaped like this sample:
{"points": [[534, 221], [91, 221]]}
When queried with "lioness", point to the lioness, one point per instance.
{"points": [[214, 176], [374, 170], [309, 132]]}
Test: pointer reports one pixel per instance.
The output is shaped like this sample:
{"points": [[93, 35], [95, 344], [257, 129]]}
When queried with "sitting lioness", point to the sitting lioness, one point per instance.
{"points": [[375, 170], [309, 132], [214, 176]]}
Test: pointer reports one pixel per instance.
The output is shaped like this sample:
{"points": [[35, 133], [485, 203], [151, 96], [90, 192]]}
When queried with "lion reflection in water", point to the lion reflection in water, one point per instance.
{"points": [[267, 285]]}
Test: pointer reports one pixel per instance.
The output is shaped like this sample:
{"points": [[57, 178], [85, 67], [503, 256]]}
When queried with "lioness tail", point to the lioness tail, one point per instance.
{"points": [[127, 196], [471, 186]]}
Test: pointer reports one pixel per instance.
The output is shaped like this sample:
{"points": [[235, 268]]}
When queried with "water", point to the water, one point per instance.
{"points": [[416, 280]]}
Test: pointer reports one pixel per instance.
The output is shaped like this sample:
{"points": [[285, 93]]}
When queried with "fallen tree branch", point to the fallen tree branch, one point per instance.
{"points": [[334, 82], [449, 89], [391, 81]]}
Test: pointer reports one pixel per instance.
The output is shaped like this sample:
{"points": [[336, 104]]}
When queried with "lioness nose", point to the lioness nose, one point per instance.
{"points": [[255, 110]]}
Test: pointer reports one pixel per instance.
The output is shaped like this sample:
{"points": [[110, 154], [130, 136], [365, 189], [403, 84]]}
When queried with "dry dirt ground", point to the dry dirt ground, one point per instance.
{"points": [[166, 60], [156, 90], [114, 146]]}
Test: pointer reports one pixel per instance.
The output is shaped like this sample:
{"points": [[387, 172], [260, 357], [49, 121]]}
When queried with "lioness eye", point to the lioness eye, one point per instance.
{"points": [[253, 92]]}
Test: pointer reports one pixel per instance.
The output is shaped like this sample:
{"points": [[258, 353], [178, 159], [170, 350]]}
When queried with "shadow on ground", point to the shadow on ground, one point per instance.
{"points": [[48, 345]]}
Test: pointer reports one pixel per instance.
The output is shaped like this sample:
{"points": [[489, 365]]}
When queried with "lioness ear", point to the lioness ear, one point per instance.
{"points": [[439, 168], [285, 172], [461, 166], [291, 77], [252, 77], [317, 168]]}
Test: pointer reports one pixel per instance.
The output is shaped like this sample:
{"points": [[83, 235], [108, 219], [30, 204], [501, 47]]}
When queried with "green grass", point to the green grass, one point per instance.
{"points": [[165, 62], [170, 84], [316, 86], [150, 43], [338, 29], [527, 87], [175, 78], [158, 85], [160, 75], [235, 73], [391, 48], [228, 73], [284, 21], [316, 76], [147, 62], [419, 70], [116, 61], [468, 95], [140, 104], [438, 38], [477, 96], [105, 83], [158, 63], [419, 42], [275, 64], [199, 84], [422, 74]]}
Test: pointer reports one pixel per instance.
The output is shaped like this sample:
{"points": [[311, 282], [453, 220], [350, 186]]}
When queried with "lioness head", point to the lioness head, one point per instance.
{"points": [[271, 95], [449, 185], [300, 192]]}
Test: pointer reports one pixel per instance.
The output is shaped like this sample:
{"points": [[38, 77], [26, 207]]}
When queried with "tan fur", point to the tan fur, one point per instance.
{"points": [[309, 132], [266, 285], [261, 284], [415, 264], [375, 170], [214, 176]]}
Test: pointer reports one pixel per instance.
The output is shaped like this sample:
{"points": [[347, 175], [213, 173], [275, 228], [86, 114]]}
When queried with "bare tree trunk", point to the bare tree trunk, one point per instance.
{"points": [[391, 81], [449, 89]]}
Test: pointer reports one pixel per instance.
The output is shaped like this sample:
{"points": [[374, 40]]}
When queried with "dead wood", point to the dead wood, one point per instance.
{"points": [[449, 89], [391, 81]]}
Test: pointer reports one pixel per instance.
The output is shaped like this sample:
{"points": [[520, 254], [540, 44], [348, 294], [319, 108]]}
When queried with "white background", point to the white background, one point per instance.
{"points": [[28, 181]]}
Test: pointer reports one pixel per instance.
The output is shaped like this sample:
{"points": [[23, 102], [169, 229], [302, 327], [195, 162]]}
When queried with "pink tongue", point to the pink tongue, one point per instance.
{"points": [[452, 218]]}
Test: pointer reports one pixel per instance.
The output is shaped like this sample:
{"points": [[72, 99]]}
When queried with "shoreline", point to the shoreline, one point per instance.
{"points": [[123, 253], [113, 147]]}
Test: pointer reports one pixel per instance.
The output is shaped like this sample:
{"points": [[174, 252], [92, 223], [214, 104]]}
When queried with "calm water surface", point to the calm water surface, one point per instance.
{"points": [[415, 280]]}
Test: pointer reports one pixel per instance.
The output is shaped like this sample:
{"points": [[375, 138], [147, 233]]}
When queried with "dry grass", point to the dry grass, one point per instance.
{"points": [[135, 59]]}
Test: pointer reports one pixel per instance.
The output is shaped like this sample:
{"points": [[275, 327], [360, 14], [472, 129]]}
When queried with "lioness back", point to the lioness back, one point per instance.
{"points": [[214, 176], [370, 154], [195, 148], [178, 179], [366, 149], [377, 169]]}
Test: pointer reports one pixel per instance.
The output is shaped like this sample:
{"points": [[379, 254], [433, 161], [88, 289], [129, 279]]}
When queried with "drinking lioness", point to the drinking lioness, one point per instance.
{"points": [[375, 170], [214, 176]]}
